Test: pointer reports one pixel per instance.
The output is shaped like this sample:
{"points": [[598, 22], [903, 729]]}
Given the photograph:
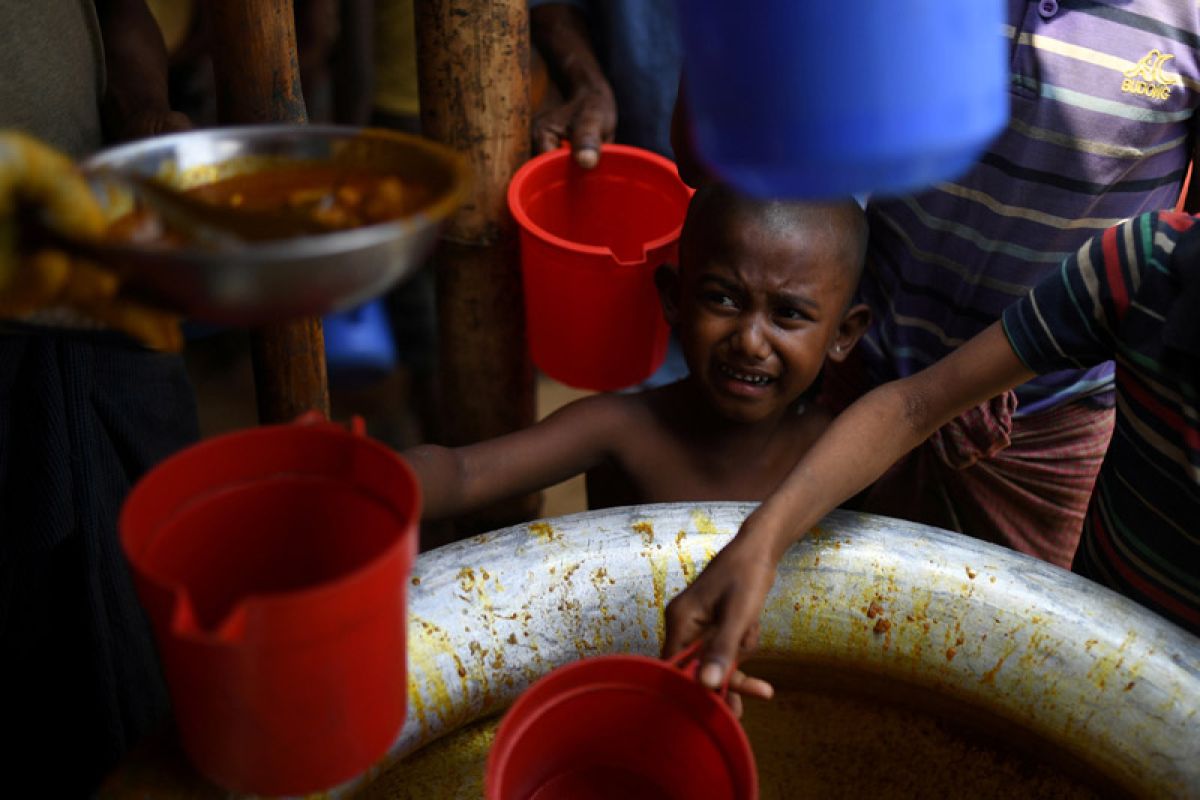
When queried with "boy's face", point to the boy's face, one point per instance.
{"points": [[758, 312]]}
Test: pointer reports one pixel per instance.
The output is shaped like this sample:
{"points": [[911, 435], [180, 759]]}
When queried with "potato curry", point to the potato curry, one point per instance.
{"points": [[285, 201]]}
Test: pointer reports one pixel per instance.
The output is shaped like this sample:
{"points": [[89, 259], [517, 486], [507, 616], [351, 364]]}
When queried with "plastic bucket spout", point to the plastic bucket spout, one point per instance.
{"points": [[789, 98], [590, 242], [273, 564], [622, 727]]}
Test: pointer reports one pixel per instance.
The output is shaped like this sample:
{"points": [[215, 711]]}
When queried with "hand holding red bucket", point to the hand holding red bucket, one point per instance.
{"points": [[590, 242], [621, 726], [273, 564]]}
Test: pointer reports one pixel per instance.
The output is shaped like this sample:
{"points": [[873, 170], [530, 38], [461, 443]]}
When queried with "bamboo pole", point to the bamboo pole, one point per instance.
{"points": [[473, 67], [256, 67]]}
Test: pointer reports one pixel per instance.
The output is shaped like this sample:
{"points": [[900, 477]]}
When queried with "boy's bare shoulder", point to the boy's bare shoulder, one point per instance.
{"points": [[615, 414], [620, 408], [662, 411]]}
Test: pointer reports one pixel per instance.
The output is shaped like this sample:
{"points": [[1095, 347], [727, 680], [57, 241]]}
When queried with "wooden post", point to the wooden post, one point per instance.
{"points": [[257, 73], [473, 67]]}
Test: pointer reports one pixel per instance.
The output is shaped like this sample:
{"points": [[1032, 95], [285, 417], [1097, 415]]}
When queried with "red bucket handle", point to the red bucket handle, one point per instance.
{"points": [[687, 661]]}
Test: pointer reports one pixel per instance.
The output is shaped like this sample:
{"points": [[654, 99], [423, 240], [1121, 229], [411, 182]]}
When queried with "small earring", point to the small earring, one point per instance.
{"points": [[837, 348]]}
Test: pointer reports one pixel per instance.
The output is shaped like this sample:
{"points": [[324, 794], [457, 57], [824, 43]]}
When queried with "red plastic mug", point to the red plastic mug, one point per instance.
{"points": [[273, 564], [621, 726]]}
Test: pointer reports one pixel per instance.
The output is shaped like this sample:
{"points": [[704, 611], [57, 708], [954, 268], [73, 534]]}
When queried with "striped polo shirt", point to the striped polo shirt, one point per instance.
{"points": [[1109, 301], [1103, 97]]}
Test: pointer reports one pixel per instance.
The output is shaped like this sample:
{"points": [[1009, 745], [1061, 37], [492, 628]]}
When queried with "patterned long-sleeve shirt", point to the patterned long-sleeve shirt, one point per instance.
{"points": [[1112, 300]]}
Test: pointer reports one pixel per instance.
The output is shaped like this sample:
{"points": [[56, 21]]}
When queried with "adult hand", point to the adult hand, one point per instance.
{"points": [[722, 607], [136, 102], [586, 119], [157, 122]]}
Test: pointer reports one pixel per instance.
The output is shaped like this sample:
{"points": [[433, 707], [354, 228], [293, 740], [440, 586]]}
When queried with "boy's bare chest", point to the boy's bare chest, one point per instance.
{"points": [[674, 469]]}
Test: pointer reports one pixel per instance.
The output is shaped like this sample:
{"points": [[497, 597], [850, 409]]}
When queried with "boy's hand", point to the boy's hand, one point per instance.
{"points": [[742, 684], [722, 607]]}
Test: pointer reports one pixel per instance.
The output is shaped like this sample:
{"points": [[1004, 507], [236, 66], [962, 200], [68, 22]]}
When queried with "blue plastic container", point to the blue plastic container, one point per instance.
{"points": [[818, 99], [359, 347]]}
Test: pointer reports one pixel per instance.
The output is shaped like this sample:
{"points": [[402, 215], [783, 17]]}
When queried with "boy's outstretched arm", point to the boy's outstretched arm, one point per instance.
{"points": [[723, 605], [574, 439]]}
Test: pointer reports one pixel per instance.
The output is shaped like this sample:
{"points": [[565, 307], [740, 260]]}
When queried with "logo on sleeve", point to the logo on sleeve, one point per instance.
{"points": [[1149, 76]]}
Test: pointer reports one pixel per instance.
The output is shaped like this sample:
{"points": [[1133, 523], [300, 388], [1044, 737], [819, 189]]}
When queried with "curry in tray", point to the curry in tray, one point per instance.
{"points": [[277, 203]]}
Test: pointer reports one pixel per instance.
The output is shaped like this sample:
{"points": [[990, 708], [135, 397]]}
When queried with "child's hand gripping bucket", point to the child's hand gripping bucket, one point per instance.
{"points": [[590, 242], [273, 564], [621, 726]]}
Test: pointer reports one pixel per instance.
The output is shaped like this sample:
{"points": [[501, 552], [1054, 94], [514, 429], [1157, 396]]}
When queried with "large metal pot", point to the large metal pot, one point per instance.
{"points": [[1077, 664]]}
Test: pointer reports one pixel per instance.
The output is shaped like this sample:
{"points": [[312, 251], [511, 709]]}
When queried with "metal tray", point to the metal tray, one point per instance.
{"points": [[260, 282]]}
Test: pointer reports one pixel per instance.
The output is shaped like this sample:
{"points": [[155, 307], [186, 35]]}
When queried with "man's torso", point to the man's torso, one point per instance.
{"points": [[1103, 97]]}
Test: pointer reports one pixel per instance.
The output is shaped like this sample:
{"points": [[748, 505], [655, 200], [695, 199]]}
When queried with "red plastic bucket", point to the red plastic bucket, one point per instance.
{"points": [[620, 727], [590, 242], [273, 564]]}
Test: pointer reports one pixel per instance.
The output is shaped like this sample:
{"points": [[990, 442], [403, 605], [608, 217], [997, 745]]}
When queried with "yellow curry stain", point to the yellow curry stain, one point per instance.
{"points": [[658, 574], [1108, 664], [989, 677], [427, 689], [543, 530], [686, 564], [466, 579], [704, 524]]}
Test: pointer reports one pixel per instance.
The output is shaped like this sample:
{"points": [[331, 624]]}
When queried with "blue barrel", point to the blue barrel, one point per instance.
{"points": [[818, 99]]}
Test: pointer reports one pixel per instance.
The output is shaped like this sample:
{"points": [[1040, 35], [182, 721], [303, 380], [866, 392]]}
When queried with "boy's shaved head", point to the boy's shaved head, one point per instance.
{"points": [[840, 226], [763, 297]]}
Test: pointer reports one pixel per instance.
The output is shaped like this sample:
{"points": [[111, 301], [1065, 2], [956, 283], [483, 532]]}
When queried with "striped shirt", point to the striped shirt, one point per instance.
{"points": [[1109, 301], [1103, 98]]}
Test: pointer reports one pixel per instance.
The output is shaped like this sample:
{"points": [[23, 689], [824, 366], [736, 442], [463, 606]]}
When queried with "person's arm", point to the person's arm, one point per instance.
{"points": [[460, 480], [724, 603], [354, 63], [135, 60], [687, 158], [588, 116], [316, 34]]}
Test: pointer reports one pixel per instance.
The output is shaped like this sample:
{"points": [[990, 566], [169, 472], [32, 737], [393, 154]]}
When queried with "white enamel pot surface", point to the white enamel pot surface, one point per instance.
{"points": [[1068, 660]]}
